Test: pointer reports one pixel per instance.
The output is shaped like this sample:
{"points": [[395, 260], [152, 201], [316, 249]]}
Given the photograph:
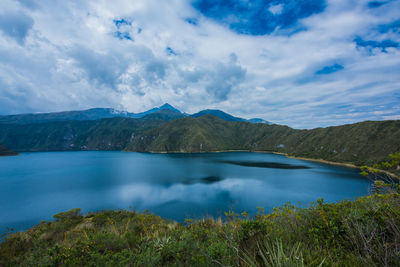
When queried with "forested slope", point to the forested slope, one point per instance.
{"points": [[359, 143]]}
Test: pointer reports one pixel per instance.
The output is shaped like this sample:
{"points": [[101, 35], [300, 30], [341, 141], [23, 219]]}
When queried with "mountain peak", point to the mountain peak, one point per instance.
{"points": [[217, 113], [166, 105], [169, 107], [258, 120]]}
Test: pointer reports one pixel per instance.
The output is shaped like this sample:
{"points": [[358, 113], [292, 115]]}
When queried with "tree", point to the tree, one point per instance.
{"points": [[384, 175]]}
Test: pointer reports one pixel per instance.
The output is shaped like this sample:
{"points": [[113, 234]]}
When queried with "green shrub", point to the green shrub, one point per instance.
{"points": [[364, 232]]}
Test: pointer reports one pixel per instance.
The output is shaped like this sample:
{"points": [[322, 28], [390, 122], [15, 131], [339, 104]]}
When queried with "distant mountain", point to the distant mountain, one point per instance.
{"points": [[165, 111], [166, 106], [6, 152], [81, 115], [90, 114], [165, 114], [104, 134], [258, 120], [225, 116], [217, 113]]}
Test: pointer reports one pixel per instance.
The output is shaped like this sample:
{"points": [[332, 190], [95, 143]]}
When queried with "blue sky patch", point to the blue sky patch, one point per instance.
{"points": [[192, 21], [390, 27], [258, 17], [376, 4], [121, 22], [123, 29], [370, 44], [329, 69], [123, 35], [170, 51]]}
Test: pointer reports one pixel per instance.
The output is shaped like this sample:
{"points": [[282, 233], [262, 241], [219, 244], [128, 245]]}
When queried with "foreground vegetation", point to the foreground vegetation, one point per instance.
{"points": [[364, 232], [385, 172]]}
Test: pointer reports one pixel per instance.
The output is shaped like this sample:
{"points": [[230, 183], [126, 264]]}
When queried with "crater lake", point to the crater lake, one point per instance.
{"points": [[35, 186]]}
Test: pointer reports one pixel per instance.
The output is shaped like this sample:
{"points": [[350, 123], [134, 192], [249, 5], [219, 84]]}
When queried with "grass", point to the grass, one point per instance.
{"points": [[364, 232]]}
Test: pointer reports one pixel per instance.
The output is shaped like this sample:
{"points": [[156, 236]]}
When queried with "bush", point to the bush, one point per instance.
{"points": [[364, 232]]}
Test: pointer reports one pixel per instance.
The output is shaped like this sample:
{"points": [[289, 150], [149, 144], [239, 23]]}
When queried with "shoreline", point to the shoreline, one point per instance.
{"points": [[186, 152], [349, 165], [343, 164], [11, 155]]}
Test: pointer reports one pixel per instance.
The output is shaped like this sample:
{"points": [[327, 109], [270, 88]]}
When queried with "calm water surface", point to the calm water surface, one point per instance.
{"points": [[35, 186]]}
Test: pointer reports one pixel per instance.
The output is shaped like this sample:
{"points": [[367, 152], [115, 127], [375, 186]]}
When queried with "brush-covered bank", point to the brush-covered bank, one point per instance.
{"points": [[6, 152], [364, 232]]}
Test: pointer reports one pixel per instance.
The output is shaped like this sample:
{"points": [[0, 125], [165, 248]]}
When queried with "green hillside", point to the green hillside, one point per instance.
{"points": [[359, 143], [85, 115], [105, 134]]}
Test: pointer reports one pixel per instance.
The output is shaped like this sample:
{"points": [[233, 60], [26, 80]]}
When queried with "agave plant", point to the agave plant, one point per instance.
{"points": [[276, 255]]}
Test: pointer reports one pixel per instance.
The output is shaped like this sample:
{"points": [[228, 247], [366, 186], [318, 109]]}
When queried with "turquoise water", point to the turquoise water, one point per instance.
{"points": [[35, 186]]}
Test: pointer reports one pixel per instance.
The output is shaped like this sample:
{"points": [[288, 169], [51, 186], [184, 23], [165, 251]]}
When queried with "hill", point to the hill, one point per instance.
{"points": [[104, 134], [165, 111], [225, 116], [89, 114], [217, 113], [166, 131], [82, 115], [360, 143]]}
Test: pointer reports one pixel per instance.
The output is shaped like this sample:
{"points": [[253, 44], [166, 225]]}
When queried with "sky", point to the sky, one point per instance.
{"points": [[302, 63]]}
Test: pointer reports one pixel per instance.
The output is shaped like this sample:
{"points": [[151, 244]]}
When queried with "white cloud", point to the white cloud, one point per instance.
{"points": [[276, 9], [69, 57]]}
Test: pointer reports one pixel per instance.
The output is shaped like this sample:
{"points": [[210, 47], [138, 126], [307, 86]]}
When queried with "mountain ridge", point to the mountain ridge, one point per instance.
{"points": [[104, 113], [359, 143]]}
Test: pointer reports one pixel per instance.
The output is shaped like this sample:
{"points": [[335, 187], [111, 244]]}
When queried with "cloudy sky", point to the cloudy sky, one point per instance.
{"points": [[300, 63]]}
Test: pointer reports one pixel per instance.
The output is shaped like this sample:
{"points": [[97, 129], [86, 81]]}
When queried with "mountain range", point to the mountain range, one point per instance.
{"points": [[167, 130], [103, 113]]}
